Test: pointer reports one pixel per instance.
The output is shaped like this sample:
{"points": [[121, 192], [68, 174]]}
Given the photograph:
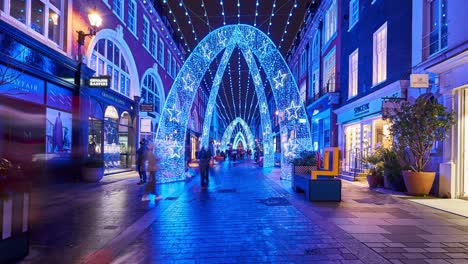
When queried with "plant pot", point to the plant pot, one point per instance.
{"points": [[372, 180], [418, 183], [92, 174]]}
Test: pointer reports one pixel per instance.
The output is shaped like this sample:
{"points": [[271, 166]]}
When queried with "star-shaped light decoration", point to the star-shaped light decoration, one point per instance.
{"points": [[264, 108], [279, 79], [189, 82], [174, 114], [222, 40], [292, 111], [290, 148], [257, 79], [207, 51], [175, 150]]}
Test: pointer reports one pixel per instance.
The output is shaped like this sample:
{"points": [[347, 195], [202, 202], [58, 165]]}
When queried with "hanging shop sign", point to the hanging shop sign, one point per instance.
{"points": [[419, 80], [145, 125], [147, 108], [99, 82]]}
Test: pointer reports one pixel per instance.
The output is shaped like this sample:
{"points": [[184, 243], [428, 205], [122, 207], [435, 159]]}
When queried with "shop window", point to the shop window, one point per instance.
{"points": [[58, 132], [438, 25], [94, 138]]}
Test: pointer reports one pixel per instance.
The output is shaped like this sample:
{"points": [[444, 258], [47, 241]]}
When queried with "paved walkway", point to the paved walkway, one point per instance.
{"points": [[246, 216]]}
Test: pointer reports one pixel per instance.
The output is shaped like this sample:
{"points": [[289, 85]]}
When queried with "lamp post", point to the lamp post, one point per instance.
{"points": [[80, 109]]}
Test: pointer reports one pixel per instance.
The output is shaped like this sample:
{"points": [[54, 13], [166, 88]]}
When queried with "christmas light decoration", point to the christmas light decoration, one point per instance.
{"points": [[176, 112], [226, 139], [240, 138]]}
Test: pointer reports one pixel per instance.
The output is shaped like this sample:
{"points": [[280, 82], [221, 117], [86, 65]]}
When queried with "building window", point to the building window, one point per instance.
{"points": [[329, 72], [330, 22], [169, 63], [154, 43], [161, 53], [353, 74], [315, 83], [146, 32], [132, 15], [107, 59], [118, 8], [353, 13], [303, 63], [174, 66], [44, 17], [150, 92], [295, 72], [380, 55], [439, 26]]}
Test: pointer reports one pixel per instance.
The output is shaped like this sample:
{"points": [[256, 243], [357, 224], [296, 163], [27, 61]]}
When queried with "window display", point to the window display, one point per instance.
{"points": [[58, 132]]}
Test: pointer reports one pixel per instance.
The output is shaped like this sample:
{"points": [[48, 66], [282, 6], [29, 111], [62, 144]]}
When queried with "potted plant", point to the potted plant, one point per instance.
{"points": [[391, 169], [415, 130], [304, 163], [93, 170], [375, 163]]}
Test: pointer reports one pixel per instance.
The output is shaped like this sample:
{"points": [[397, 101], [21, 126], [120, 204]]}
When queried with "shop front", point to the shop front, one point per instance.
{"points": [[361, 128], [111, 130]]}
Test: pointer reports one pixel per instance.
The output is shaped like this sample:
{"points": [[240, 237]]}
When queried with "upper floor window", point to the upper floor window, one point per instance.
{"points": [[315, 83], [353, 13], [330, 22], [107, 59], [295, 72], [169, 63], [329, 72], [42, 16], [132, 16], [161, 52], [150, 92], [146, 32], [154, 43], [438, 27], [379, 73], [353, 74], [118, 8], [174, 67], [303, 62]]}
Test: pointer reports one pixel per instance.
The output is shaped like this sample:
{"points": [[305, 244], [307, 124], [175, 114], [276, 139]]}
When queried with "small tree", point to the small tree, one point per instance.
{"points": [[416, 128]]}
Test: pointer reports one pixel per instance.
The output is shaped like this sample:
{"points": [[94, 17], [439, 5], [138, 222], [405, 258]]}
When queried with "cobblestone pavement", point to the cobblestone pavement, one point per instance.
{"points": [[247, 215]]}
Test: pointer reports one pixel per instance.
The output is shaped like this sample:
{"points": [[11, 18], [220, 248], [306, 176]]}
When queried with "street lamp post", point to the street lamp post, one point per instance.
{"points": [[80, 117]]}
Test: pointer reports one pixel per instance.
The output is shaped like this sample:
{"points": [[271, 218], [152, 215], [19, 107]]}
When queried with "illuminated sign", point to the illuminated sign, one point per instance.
{"points": [[419, 80], [361, 109], [99, 82], [147, 108]]}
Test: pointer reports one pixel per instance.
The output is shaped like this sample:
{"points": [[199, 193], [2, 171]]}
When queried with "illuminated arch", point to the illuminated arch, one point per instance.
{"points": [[116, 36], [294, 128], [227, 135], [240, 138]]}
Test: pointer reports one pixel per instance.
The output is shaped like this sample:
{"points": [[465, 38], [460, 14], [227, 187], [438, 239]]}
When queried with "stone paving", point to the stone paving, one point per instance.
{"points": [[247, 215]]}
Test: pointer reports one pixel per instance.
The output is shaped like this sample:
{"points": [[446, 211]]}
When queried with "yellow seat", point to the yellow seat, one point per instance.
{"points": [[333, 172]]}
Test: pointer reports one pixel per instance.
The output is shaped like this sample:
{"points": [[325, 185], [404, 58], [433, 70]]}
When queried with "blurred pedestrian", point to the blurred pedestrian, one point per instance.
{"points": [[204, 157], [141, 161], [153, 167]]}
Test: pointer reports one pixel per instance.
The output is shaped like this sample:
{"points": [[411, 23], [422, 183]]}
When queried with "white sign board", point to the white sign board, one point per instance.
{"points": [[145, 125], [419, 80]]}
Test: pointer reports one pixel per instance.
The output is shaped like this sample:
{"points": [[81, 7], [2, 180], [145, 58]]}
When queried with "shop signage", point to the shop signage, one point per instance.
{"points": [[362, 109], [419, 80], [99, 82], [145, 125], [22, 86], [147, 108]]}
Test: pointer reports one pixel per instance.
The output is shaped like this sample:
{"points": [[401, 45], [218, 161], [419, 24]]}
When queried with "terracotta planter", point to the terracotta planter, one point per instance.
{"points": [[372, 180], [418, 183], [92, 174]]}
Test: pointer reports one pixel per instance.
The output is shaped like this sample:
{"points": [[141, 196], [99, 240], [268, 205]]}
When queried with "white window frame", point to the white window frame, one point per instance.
{"points": [[146, 33], [114, 5], [174, 66], [331, 21], [154, 43], [303, 63], [45, 34], [329, 71], [169, 62], [439, 25], [379, 61], [153, 90], [353, 73], [161, 53], [132, 16], [353, 13]]}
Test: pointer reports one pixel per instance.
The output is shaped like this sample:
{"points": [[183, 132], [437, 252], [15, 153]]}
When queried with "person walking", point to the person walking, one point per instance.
{"points": [[204, 157], [141, 161], [153, 167]]}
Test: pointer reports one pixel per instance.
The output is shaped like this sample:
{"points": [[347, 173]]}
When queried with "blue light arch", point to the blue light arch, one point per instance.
{"points": [[295, 135], [227, 135]]}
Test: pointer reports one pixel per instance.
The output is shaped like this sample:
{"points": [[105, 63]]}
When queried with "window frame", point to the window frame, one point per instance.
{"points": [[133, 15], [145, 40], [439, 30], [379, 63], [353, 74], [327, 69], [161, 53], [331, 22], [122, 9], [353, 13], [154, 43], [146, 88]]}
